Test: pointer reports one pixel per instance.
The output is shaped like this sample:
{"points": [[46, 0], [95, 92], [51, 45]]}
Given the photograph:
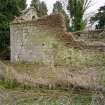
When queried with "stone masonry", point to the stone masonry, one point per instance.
{"points": [[36, 40], [44, 40]]}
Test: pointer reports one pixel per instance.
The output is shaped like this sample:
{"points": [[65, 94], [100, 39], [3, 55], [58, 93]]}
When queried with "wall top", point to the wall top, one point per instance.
{"points": [[26, 15]]}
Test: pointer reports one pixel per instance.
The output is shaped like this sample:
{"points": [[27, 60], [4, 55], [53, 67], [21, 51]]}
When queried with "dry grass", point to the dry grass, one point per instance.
{"points": [[49, 97], [86, 71], [43, 97], [53, 78], [83, 69], [80, 69]]}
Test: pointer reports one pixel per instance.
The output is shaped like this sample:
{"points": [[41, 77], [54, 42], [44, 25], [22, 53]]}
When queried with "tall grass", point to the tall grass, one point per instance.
{"points": [[13, 84]]}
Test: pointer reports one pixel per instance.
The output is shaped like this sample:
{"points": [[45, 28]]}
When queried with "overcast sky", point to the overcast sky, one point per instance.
{"points": [[95, 5]]}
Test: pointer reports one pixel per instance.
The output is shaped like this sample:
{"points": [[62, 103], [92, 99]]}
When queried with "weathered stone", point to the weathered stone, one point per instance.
{"points": [[36, 42]]}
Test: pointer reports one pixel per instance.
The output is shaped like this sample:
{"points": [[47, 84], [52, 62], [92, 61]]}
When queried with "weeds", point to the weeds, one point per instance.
{"points": [[48, 97], [13, 84]]}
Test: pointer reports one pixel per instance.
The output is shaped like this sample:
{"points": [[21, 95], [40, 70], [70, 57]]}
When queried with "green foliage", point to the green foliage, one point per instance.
{"points": [[77, 9], [13, 84], [35, 4], [40, 7], [58, 8], [22, 4], [9, 84], [99, 18], [43, 9], [8, 10]]}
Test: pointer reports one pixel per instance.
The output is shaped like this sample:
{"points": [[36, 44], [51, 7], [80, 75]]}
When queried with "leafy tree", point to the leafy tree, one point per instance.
{"points": [[58, 8], [77, 9], [8, 10], [22, 4], [35, 4], [99, 18], [11, 8], [40, 7]]}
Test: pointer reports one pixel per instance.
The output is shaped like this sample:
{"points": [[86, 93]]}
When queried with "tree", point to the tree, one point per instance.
{"points": [[22, 4], [99, 18], [40, 7], [11, 8], [8, 10], [35, 4], [58, 8], [77, 9]]}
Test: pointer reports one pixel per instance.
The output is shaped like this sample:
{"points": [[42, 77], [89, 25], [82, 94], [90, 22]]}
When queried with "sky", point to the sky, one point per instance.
{"points": [[94, 6]]}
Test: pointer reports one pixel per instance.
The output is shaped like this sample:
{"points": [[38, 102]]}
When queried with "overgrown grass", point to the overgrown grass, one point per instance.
{"points": [[41, 76], [45, 97], [103, 78], [64, 100], [13, 84], [80, 58], [28, 95], [51, 97], [20, 94]]}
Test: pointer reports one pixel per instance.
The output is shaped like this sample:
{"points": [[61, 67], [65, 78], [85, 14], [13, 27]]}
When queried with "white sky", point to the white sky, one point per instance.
{"points": [[95, 5]]}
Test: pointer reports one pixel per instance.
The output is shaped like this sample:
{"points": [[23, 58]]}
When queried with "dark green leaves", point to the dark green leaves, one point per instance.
{"points": [[99, 18]]}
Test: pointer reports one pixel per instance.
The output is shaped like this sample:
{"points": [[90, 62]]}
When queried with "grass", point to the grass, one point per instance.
{"points": [[80, 58], [71, 61], [103, 78], [9, 84], [84, 71], [13, 84], [13, 93], [20, 96], [71, 57]]}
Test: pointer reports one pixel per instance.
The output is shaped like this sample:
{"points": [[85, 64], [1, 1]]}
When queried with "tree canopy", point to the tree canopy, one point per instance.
{"points": [[58, 8], [22, 4], [77, 9], [40, 7], [8, 10], [99, 18]]}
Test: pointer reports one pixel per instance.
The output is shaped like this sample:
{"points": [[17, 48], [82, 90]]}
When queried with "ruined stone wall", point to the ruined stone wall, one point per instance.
{"points": [[91, 35], [46, 41], [29, 14], [36, 41]]}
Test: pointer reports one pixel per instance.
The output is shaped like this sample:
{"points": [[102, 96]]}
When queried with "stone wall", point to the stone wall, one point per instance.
{"points": [[29, 14], [36, 41], [92, 35], [46, 41]]}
